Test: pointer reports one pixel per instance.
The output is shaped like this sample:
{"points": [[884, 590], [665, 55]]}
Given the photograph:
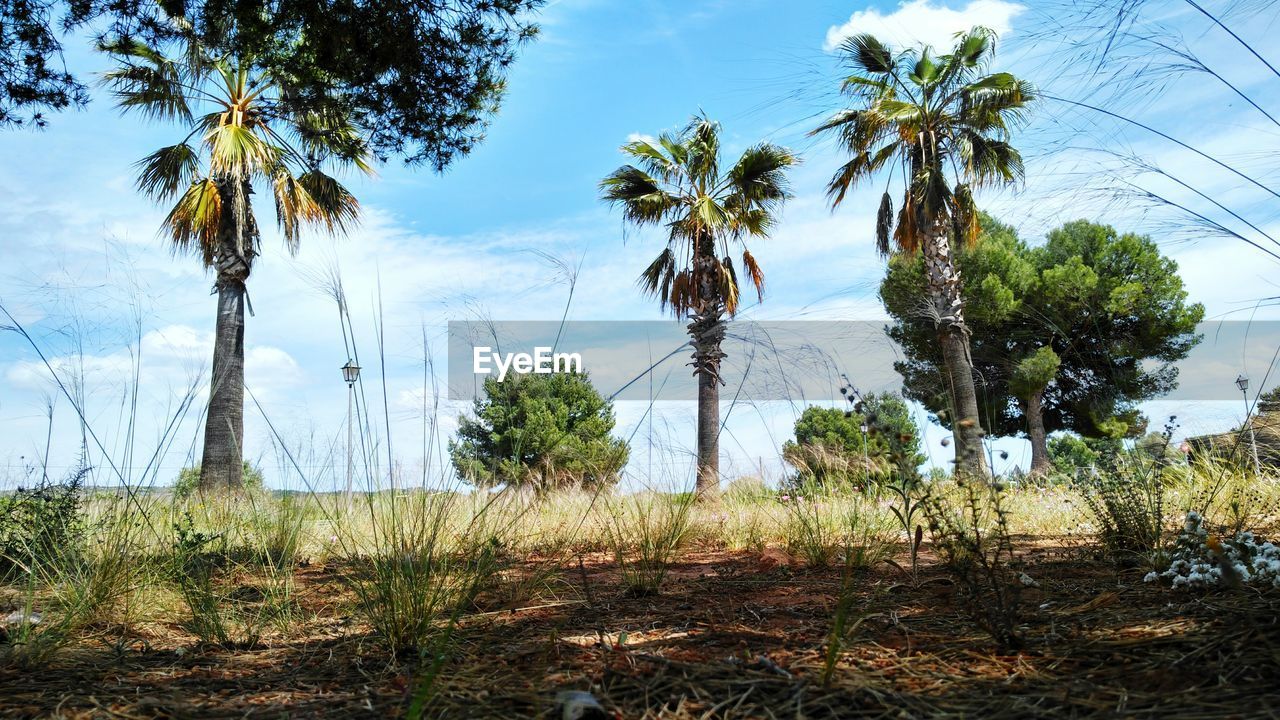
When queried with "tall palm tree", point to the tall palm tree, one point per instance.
{"points": [[677, 183], [942, 127], [240, 132]]}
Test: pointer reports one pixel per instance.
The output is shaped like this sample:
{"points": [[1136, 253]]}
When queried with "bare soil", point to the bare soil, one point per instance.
{"points": [[732, 635]]}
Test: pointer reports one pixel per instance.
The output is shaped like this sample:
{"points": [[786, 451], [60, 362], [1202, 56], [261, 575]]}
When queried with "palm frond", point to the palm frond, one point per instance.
{"points": [[906, 235], [754, 272], [709, 214], [313, 199], [155, 91], [859, 86], [684, 294], [195, 220], [643, 200], [652, 158], [727, 286], [860, 167], [336, 209], [657, 279], [328, 133], [702, 143], [752, 222], [986, 161], [973, 46], [166, 171], [884, 224], [964, 215], [760, 176], [866, 52], [235, 150]]}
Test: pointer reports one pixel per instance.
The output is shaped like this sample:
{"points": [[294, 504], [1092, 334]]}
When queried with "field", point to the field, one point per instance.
{"points": [[763, 604]]}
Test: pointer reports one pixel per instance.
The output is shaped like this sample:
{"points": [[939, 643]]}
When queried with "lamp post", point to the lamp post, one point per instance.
{"points": [[866, 461], [1242, 382], [351, 374]]}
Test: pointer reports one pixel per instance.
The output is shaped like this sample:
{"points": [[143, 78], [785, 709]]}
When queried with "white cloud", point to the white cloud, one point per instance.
{"points": [[170, 357], [924, 21]]}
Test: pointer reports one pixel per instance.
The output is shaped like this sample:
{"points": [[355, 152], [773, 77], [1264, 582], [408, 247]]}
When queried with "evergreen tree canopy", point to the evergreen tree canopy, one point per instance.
{"points": [[1073, 325], [831, 446], [540, 431], [421, 78]]}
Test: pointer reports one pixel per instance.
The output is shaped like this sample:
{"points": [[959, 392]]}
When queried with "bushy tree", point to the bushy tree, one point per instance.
{"points": [[543, 431], [830, 446], [1070, 335]]}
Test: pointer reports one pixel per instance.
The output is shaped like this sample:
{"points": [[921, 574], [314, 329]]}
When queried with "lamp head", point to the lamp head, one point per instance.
{"points": [[351, 372]]}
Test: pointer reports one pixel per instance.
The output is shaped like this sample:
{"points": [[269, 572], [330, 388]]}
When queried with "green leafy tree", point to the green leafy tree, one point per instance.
{"points": [[421, 78], [239, 133], [543, 431], [1070, 452], [830, 445], [945, 123], [1071, 335], [677, 183]]}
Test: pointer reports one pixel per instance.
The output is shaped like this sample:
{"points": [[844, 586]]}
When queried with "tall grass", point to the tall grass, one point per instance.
{"points": [[646, 532]]}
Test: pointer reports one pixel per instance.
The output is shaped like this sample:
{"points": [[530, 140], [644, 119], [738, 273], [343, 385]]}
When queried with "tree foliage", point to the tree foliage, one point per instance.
{"points": [[1092, 319], [421, 78], [831, 447], [239, 128], [677, 183], [543, 431]]}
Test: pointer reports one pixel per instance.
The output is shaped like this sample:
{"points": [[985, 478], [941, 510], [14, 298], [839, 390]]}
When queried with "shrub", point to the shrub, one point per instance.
{"points": [[974, 543], [1072, 455], [39, 524], [813, 525], [541, 431], [1200, 559], [210, 573], [832, 448], [1127, 505], [188, 481]]}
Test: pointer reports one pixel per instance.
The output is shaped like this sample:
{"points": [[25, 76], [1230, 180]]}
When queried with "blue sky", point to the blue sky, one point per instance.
{"points": [[83, 264]]}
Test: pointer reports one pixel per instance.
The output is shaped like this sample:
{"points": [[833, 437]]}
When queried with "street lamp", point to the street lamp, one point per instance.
{"points": [[866, 460], [351, 374], [1242, 382]]}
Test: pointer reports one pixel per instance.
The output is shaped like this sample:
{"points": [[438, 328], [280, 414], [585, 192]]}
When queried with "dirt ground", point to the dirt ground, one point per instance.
{"points": [[733, 635]]}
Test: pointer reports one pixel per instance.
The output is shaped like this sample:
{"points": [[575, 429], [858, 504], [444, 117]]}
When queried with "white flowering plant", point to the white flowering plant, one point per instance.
{"points": [[1200, 560]]}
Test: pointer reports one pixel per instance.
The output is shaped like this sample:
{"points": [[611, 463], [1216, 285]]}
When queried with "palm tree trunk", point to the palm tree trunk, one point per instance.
{"points": [[222, 462], [707, 329], [943, 281], [1033, 409], [707, 332]]}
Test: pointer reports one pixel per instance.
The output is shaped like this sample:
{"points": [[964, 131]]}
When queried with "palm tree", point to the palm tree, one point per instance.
{"points": [[945, 124], [241, 132], [677, 183]]}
